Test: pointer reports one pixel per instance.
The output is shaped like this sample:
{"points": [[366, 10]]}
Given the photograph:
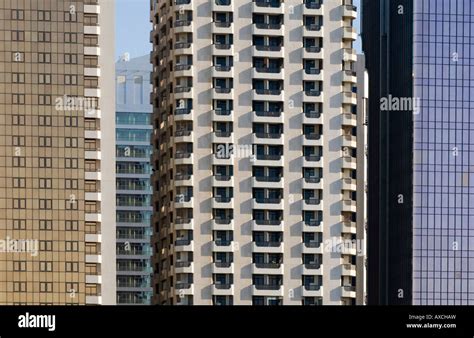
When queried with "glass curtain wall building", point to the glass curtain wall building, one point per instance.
{"points": [[420, 151], [443, 222], [133, 185]]}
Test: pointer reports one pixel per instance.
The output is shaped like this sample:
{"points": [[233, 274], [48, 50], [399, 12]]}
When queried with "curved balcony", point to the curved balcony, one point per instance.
{"points": [[183, 92], [268, 73], [312, 290], [223, 268], [312, 204], [267, 247], [312, 226], [268, 7], [312, 139], [349, 12], [268, 203], [349, 54], [349, 184], [266, 160], [312, 182], [223, 246], [314, 269], [348, 291], [267, 116], [183, 180], [222, 5], [312, 247], [268, 51], [349, 205], [223, 71], [222, 27], [222, 289], [349, 120], [313, 95], [349, 33], [183, 26], [222, 94], [222, 224], [312, 74], [183, 136], [349, 141], [222, 181], [268, 29], [348, 270], [184, 267], [269, 290], [312, 161], [349, 162], [267, 182], [313, 31], [222, 50], [349, 227], [267, 225], [349, 76], [183, 158], [267, 268], [183, 48], [314, 7], [223, 202], [268, 95], [184, 224], [268, 138], [222, 115], [183, 245]]}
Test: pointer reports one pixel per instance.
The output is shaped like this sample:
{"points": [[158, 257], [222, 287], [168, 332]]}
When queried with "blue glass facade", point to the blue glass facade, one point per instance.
{"points": [[133, 200], [443, 210]]}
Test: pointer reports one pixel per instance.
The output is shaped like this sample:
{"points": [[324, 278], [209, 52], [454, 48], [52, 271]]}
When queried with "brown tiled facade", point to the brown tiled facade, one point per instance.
{"points": [[50, 158]]}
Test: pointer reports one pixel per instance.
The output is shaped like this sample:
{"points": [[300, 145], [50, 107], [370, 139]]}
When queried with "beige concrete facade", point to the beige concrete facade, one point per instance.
{"points": [[57, 169], [276, 221]]}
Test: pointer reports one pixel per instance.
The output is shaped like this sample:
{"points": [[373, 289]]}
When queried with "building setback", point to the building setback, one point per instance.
{"points": [[256, 142], [56, 159], [134, 190]]}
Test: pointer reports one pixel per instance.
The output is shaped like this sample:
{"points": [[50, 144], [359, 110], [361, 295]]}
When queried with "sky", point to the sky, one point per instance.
{"points": [[133, 27]]}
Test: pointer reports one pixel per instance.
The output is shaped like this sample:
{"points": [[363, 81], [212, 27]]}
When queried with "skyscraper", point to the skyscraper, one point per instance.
{"points": [[256, 142], [57, 205], [134, 190], [419, 54]]}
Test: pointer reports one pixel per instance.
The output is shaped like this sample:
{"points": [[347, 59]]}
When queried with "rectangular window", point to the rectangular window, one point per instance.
{"points": [[18, 98], [71, 204], [70, 37], [44, 100], [70, 79], [18, 57], [71, 225], [19, 265], [46, 245], [44, 120], [71, 184], [44, 78], [45, 141], [72, 246], [44, 57], [44, 37], [17, 14], [71, 163], [19, 224], [18, 77], [45, 162], [18, 120], [72, 287], [70, 121], [70, 142], [45, 204], [70, 17], [18, 36], [19, 161], [45, 183], [70, 59], [18, 141], [19, 203], [44, 15], [46, 266], [72, 267], [19, 286], [46, 287], [45, 224], [19, 182]]}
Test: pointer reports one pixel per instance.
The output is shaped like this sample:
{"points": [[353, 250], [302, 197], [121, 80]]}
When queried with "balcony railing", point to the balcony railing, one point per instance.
{"points": [[268, 91], [268, 25], [267, 222], [182, 23], [223, 24], [312, 114], [313, 136], [223, 221], [224, 286], [312, 287], [268, 3], [267, 287], [268, 135], [265, 157], [268, 113], [313, 158], [268, 200], [311, 179], [222, 45], [222, 242], [313, 49], [313, 27], [183, 155], [312, 201], [272, 70], [268, 244], [268, 265], [223, 264], [182, 221], [312, 223], [312, 92], [223, 199], [182, 45], [268, 48], [312, 266], [223, 133], [183, 286], [182, 242], [223, 90], [222, 112], [183, 264], [268, 178], [182, 111], [312, 244]]}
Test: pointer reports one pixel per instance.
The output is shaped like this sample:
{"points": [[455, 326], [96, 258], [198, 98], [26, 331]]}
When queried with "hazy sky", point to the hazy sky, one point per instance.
{"points": [[133, 27]]}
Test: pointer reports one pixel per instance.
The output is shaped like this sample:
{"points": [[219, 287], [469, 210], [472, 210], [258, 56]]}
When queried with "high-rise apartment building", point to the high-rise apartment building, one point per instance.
{"points": [[57, 210], [258, 186], [419, 59], [134, 190]]}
